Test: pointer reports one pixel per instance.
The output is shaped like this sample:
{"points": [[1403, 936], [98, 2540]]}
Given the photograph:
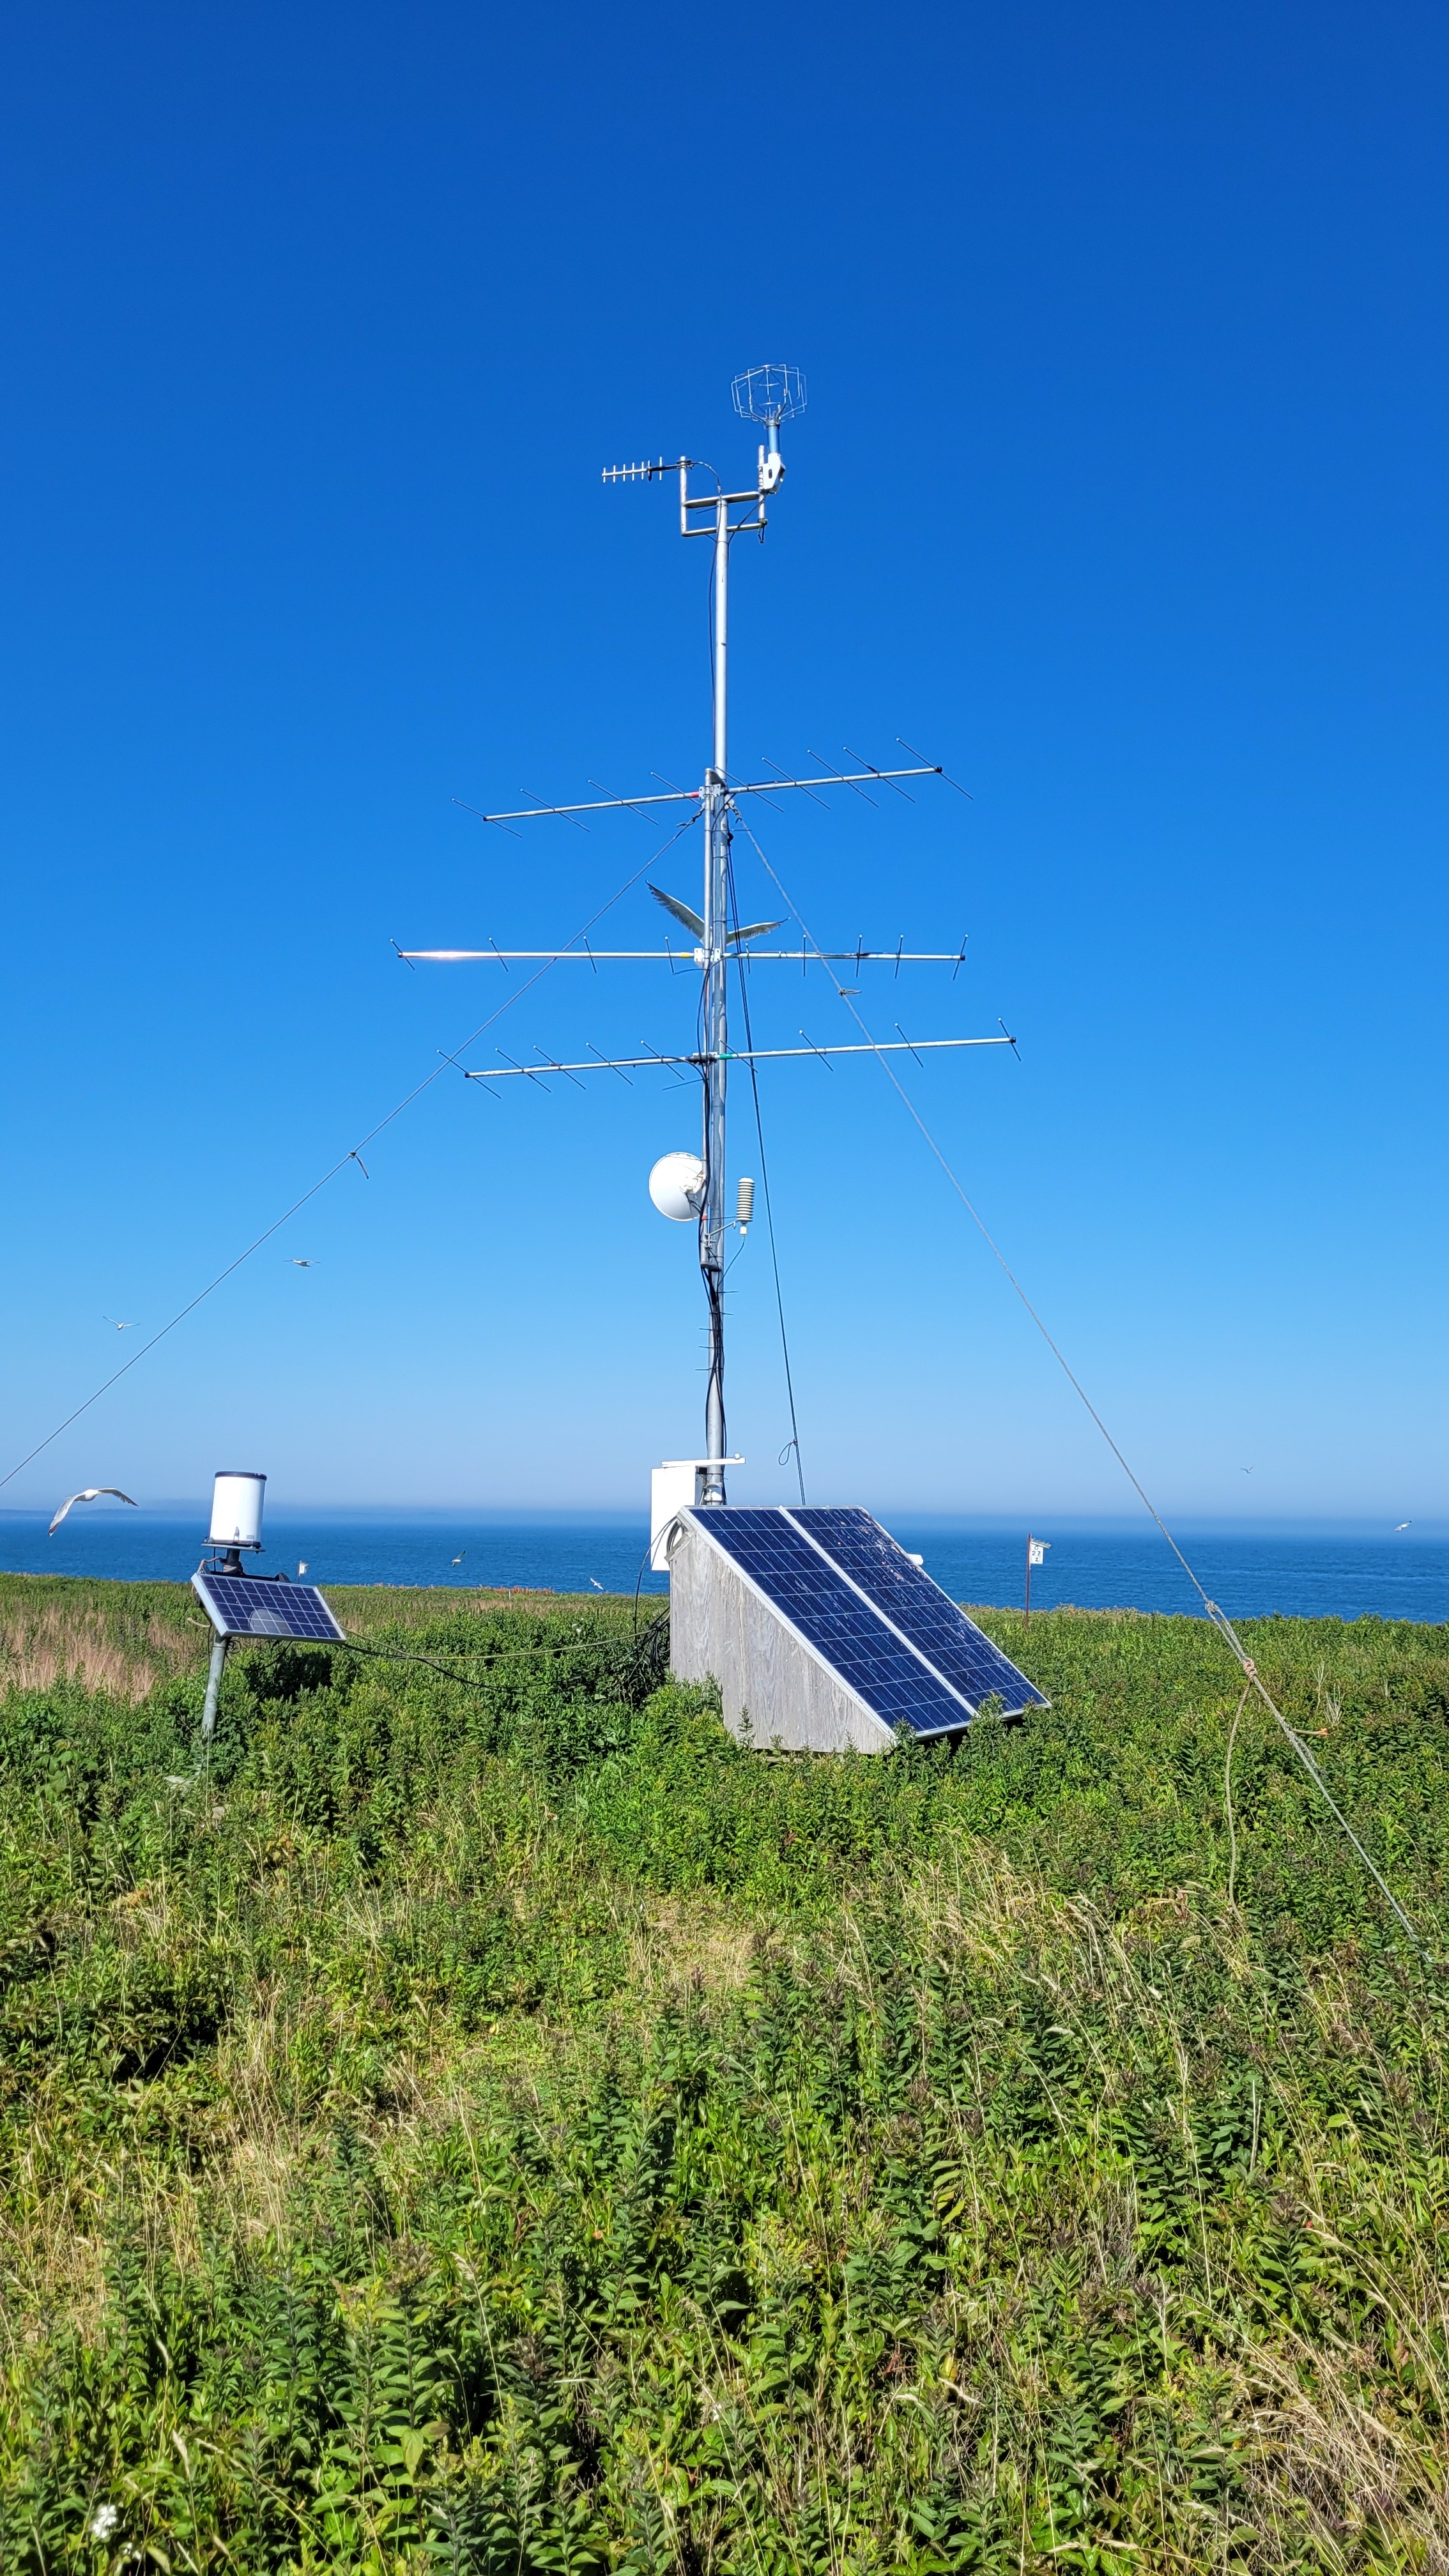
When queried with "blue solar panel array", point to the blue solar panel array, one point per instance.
{"points": [[851, 1636], [920, 1609], [255, 1605], [811, 1576]]}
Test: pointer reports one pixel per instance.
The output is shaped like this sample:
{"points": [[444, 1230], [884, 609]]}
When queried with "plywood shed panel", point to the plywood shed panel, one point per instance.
{"points": [[721, 1630]]}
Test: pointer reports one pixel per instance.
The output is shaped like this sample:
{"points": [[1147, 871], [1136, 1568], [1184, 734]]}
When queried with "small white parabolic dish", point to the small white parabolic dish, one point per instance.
{"points": [[676, 1185]]}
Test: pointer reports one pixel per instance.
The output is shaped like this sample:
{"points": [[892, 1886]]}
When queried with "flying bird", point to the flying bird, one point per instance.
{"points": [[1402, 1525], [1247, 1471], [690, 920], [598, 1587], [459, 1559], [88, 1494], [128, 1327], [299, 1265]]}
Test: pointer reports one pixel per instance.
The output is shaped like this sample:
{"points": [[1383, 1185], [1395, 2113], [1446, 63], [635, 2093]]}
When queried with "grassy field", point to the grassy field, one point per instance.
{"points": [[491, 2121]]}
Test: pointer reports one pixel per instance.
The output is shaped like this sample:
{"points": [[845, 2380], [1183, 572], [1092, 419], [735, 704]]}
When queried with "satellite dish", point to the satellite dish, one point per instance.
{"points": [[676, 1185]]}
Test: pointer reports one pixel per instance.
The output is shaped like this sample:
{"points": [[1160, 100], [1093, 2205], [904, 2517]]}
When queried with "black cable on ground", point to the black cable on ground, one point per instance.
{"points": [[639, 1649], [450, 1672]]}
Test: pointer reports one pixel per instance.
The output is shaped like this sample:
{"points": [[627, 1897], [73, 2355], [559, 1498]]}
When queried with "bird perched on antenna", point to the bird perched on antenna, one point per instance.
{"points": [[88, 1494]]}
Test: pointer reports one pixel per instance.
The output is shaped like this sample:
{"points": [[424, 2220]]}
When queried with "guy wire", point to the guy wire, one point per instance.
{"points": [[353, 1155], [1217, 1617], [765, 1186]]}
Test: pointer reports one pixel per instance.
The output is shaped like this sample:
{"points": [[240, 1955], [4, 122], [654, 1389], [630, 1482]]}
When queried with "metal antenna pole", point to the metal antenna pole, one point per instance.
{"points": [[767, 395], [716, 991]]}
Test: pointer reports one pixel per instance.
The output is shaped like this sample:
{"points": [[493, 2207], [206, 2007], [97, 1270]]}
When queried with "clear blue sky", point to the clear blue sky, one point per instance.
{"points": [[1121, 490]]}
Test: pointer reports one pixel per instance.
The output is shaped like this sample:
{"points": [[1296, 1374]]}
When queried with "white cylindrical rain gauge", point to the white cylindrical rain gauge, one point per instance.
{"points": [[236, 1510], [676, 1185], [745, 1204]]}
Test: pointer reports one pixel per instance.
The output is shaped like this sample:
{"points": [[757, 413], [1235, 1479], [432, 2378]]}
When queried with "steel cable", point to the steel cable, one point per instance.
{"points": [[741, 964], [1217, 1617], [353, 1155]]}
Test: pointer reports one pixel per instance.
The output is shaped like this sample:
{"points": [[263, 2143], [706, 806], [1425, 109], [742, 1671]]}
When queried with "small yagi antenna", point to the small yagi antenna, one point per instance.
{"points": [[703, 1060]]}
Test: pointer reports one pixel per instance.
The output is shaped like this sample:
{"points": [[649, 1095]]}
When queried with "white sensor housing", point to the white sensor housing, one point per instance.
{"points": [[236, 1510]]}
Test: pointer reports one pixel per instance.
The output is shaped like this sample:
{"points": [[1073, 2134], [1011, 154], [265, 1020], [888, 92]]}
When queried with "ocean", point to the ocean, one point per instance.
{"points": [[1253, 1571]]}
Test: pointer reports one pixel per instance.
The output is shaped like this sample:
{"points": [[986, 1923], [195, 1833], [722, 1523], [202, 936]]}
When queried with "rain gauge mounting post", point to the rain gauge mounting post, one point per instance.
{"points": [[695, 1192]]}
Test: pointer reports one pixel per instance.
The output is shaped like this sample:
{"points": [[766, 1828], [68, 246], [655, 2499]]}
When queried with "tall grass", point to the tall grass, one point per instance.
{"points": [[122, 1638], [504, 2126]]}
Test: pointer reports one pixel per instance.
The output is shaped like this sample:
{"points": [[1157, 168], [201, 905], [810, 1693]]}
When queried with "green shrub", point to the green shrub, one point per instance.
{"points": [[488, 2119]]}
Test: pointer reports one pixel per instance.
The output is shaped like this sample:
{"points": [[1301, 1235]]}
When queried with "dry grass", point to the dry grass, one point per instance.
{"points": [[122, 1638]]}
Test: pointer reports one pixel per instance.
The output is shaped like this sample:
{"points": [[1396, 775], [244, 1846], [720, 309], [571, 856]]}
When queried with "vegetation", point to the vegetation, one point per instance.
{"points": [[488, 2120]]}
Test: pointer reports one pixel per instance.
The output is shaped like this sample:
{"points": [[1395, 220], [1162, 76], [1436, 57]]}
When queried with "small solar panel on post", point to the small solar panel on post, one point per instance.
{"points": [[249, 1605], [252, 1605]]}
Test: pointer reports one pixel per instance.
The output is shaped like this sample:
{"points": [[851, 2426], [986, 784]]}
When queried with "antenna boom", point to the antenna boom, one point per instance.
{"points": [[729, 1055]]}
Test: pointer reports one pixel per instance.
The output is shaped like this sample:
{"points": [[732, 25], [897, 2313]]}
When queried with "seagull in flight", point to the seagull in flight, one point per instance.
{"points": [[691, 921], [1247, 1471], [1402, 1525], [88, 1494], [128, 1327], [459, 1559], [299, 1265], [598, 1587]]}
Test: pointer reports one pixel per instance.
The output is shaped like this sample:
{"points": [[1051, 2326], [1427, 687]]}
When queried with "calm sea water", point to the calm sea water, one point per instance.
{"points": [[1299, 1572]]}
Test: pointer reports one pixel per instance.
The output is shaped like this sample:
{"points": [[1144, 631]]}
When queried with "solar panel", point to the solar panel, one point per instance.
{"points": [[957, 1648], [255, 1605], [848, 1632], [890, 1633]]}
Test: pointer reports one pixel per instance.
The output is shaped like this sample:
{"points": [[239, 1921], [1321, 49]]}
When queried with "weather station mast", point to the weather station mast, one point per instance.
{"points": [[768, 395], [685, 1187]]}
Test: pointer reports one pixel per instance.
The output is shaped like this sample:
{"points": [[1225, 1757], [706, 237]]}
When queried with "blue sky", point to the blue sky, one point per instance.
{"points": [[1121, 490]]}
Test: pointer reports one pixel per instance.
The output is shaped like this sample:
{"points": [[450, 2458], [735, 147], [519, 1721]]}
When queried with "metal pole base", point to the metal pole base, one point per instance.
{"points": [[213, 1689]]}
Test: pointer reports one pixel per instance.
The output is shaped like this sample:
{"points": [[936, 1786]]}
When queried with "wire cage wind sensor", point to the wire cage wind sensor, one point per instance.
{"points": [[769, 394]]}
